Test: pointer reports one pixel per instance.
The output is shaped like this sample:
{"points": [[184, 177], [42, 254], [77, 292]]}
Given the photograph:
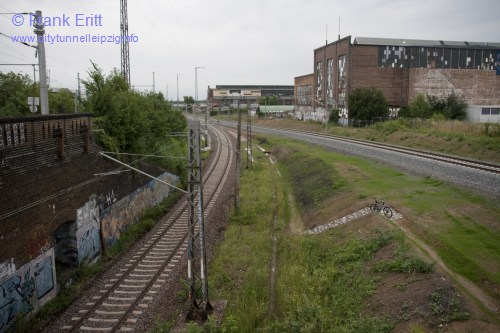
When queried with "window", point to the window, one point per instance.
{"points": [[342, 69], [485, 111], [329, 82], [319, 76], [495, 110]]}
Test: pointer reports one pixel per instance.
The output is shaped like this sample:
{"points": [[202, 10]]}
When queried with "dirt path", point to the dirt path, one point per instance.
{"points": [[273, 269], [475, 293], [470, 288]]}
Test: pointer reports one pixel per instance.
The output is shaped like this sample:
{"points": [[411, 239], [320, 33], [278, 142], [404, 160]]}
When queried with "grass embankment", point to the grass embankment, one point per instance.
{"points": [[77, 282], [460, 138], [361, 277]]}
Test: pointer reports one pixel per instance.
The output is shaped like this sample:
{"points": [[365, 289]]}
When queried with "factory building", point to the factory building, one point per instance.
{"points": [[403, 69], [231, 95]]}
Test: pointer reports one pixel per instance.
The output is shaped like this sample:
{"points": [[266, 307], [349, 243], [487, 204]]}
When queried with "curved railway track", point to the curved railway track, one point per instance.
{"points": [[479, 165], [124, 298]]}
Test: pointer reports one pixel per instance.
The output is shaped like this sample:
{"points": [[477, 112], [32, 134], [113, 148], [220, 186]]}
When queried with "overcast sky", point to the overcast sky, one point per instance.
{"points": [[238, 42]]}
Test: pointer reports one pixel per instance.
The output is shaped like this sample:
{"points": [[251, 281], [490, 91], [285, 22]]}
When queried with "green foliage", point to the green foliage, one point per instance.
{"points": [[492, 129], [418, 108], [268, 100], [326, 286], [403, 262], [313, 180], [14, 92], [189, 100], [61, 101], [446, 306], [451, 106], [367, 103], [334, 116], [131, 122], [389, 127]]}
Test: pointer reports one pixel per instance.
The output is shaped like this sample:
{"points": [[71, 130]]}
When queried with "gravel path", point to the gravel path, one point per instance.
{"points": [[477, 180]]}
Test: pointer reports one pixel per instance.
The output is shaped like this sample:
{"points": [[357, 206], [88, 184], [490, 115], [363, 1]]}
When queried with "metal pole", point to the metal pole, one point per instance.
{"points": [[196, 85], [44, 91], [178, 89], [199, 309], [249, 140], [238, 162], [34, 82]]}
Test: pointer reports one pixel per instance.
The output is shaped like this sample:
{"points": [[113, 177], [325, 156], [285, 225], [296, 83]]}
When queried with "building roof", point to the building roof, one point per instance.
{"points": [[256, 87], [424, 43], [276, 108]]}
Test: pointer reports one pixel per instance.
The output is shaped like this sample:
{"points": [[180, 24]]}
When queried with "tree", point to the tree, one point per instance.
{"points": [[14, 92], [334, 116], [188, 100], [61, 101], [268, 100], [367, 103], [130, 122], [418, 108], [451, 106]]}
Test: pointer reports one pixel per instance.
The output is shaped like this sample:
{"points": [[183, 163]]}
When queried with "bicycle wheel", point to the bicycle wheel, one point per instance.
{"points": [[374, 208], [387, 212]]}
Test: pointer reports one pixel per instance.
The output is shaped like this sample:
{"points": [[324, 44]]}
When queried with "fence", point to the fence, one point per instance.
{"points": [[453, 126]]}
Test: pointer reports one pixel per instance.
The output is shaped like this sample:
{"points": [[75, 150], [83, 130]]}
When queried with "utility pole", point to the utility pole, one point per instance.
{"points": [[178, 89], [125, 59], [196, 84], [238, 162], [249, 140], [153, 82], [77, 95], [197, 259], [44, 90]]}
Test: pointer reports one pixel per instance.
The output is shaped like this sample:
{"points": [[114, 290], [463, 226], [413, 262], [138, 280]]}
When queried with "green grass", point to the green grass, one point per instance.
{"points": [[404, 261], [467, 247], [313, 272], [313, 268]]}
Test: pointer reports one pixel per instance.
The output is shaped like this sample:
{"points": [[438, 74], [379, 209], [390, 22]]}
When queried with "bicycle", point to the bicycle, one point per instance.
{"points": [[380, 206]]}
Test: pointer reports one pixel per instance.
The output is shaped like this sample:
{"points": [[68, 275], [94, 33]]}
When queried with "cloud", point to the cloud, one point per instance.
{"points": [[258, 42]]}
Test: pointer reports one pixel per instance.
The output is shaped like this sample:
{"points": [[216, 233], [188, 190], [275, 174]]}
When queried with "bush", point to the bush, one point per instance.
{"points": [[334, 116], [367, 103], [452, 106]]}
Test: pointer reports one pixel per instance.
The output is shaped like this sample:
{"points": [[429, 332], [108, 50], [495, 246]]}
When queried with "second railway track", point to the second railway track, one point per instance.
{"points": [[121, 301], [478, 165]]}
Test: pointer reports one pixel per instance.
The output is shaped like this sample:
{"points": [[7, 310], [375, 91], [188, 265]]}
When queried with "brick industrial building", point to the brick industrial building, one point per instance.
{"points": [[402, 69]]}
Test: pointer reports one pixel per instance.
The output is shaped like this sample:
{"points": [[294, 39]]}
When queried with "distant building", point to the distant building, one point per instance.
{"points": [[229, 95], [404, 68], [304, 97]]}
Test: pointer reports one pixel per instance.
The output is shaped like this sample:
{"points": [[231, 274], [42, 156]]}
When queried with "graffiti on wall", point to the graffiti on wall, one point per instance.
{"points": [[87, 233], [26, 289], [88, 243], [7, 268], [88, 213], [127, 210]]}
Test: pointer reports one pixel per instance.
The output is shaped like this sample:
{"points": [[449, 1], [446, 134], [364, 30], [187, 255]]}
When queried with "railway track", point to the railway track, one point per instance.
{"points": [[120, 303], [478, 165]]}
